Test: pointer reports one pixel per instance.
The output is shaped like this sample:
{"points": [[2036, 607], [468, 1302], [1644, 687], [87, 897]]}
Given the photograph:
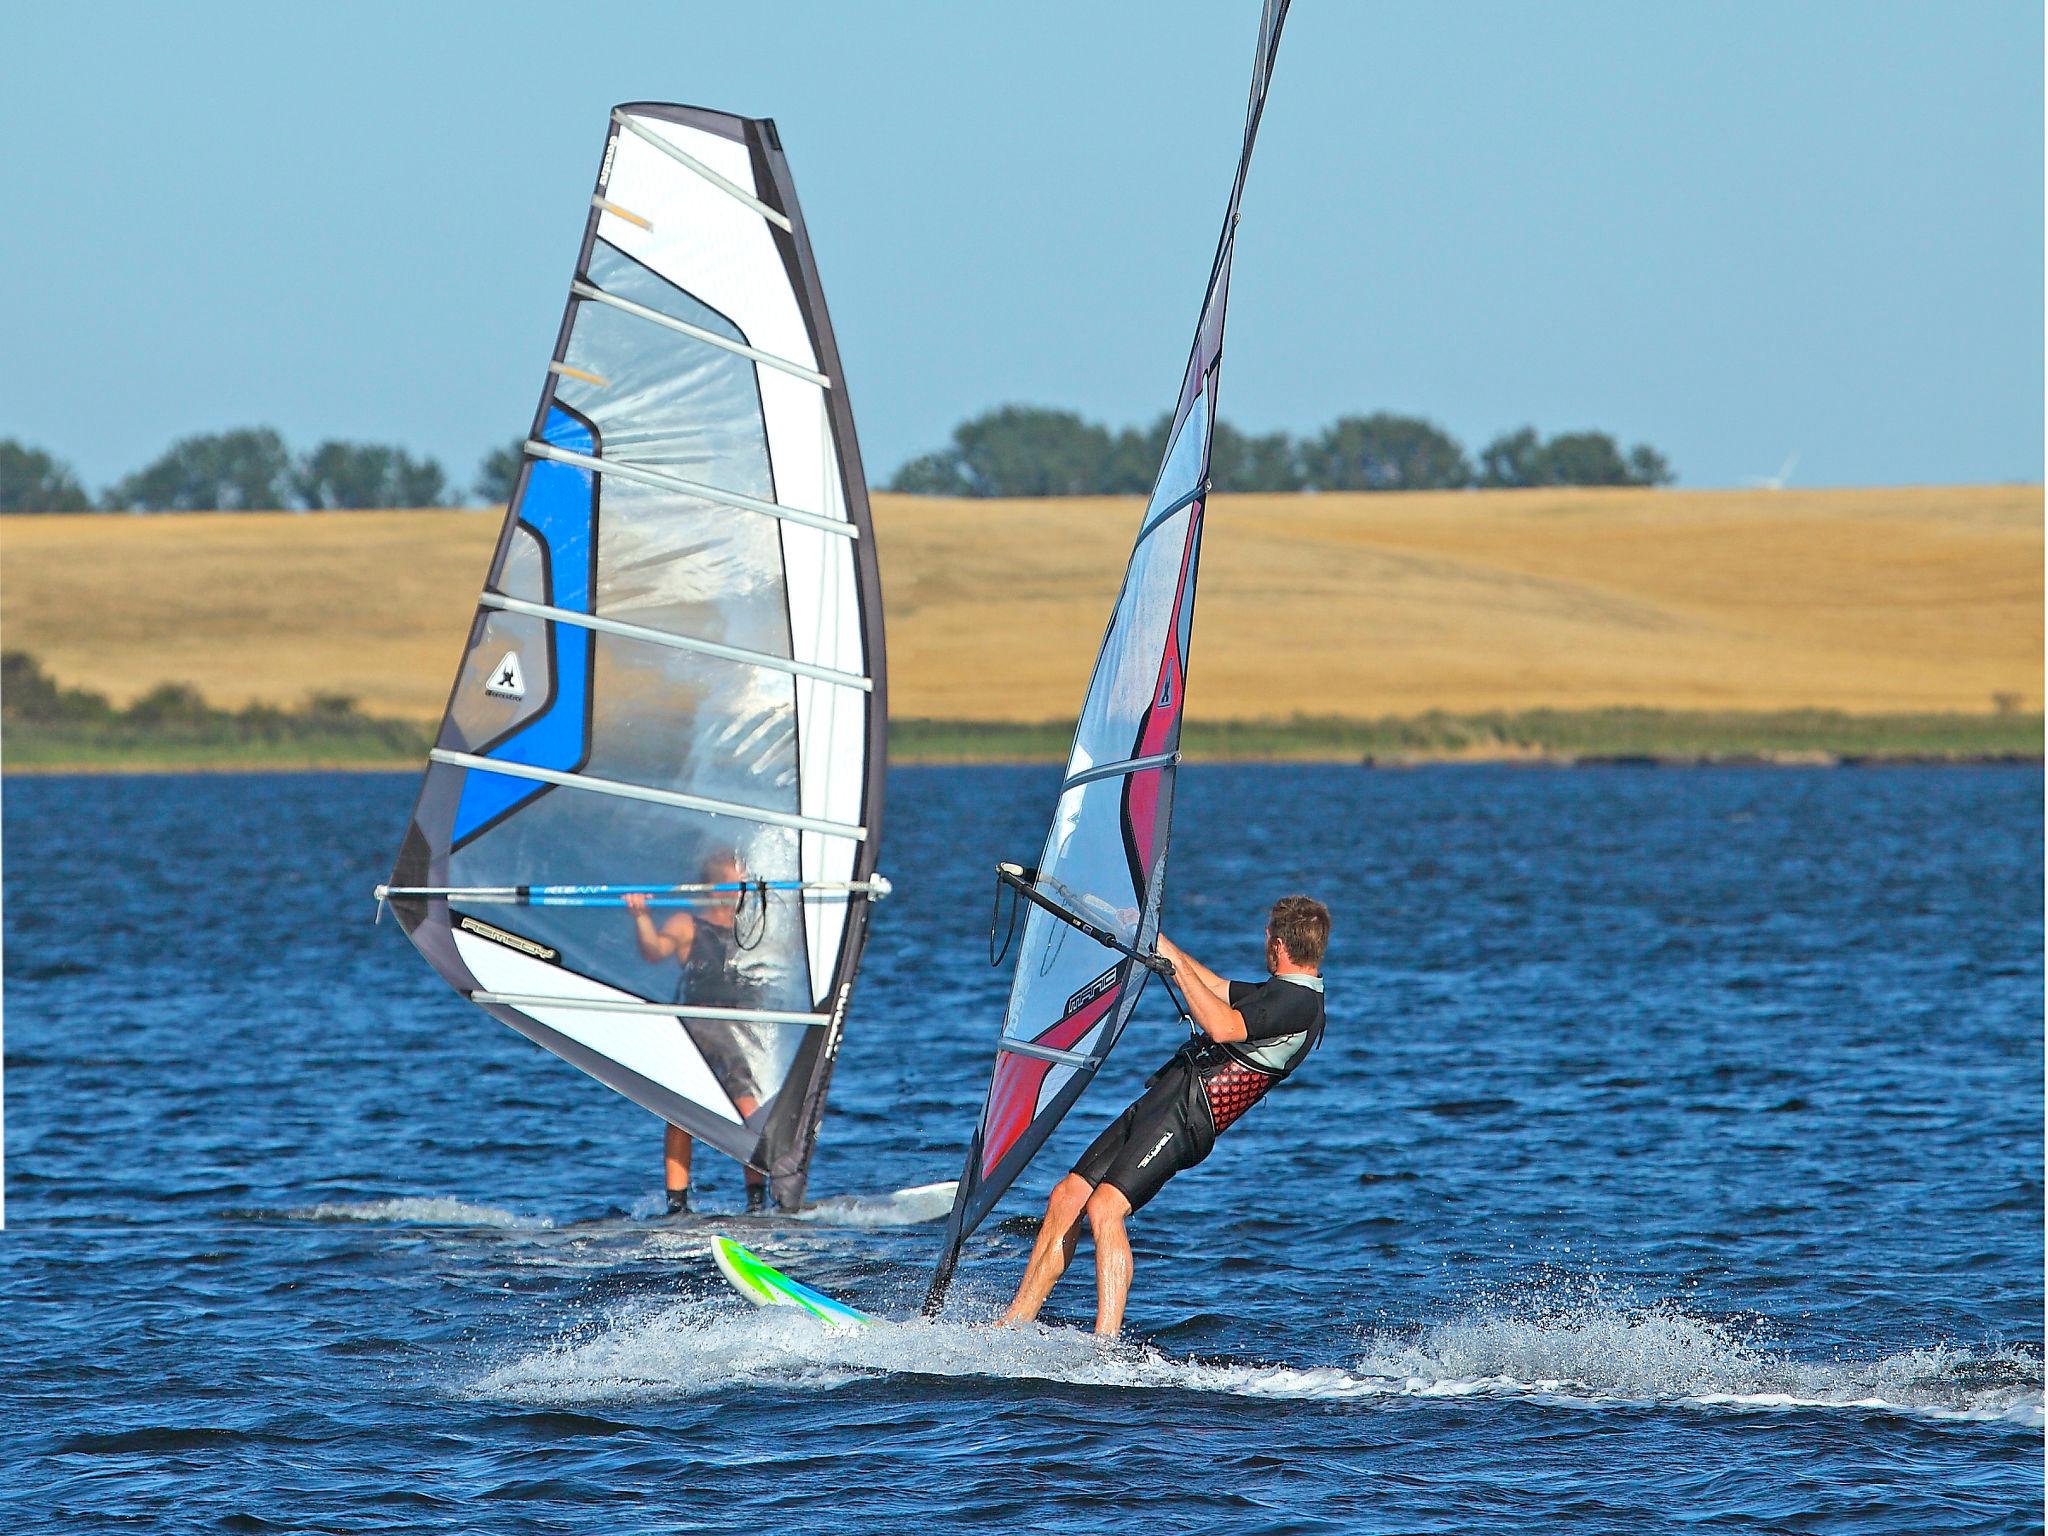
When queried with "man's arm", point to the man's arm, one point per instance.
{"points": [[674, 937], [1190, 970], [1207, 993]]}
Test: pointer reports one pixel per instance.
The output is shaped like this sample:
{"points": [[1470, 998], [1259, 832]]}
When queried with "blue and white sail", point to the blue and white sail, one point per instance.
{"points": [[673, 684]]}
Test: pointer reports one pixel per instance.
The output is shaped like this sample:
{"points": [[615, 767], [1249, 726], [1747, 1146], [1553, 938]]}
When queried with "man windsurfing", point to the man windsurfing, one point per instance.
{"points": [[1251, 1036], [703, 944]]}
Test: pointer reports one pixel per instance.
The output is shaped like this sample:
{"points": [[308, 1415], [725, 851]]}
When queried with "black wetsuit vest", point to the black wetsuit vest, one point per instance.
{"points": [[710, 979]]}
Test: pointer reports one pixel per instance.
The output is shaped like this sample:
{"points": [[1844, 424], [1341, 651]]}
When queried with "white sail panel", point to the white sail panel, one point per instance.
{"points": [[664, 1055]]}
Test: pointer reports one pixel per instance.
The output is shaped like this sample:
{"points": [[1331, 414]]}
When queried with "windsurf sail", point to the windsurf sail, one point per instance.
{"points": [[1092, 903], [672, 699]]}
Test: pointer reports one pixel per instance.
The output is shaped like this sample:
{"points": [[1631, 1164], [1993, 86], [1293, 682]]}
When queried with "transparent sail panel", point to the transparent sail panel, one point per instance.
{"points": [[691, 567], [1127, 683]]}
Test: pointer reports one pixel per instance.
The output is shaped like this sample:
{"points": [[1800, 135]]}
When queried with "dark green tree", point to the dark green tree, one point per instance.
{"points": [[498, 472], [27, 692], [1024, 450], [1521, 458], [932, 474], [171, 704], [1584, 458], [1512, 459], [1648, 466], [32, 481], [360, 475], [1134, 458], [240, 471], [1239, 461], [1016, 450], [1384, 452]]}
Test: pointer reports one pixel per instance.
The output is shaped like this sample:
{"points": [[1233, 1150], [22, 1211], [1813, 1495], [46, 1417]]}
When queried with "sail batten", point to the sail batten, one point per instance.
{"points": [[684, 158], [652, 1010], [584, 290], [641, 632], [1095, 894], [660, 769], [594, 785], [663, 481]]}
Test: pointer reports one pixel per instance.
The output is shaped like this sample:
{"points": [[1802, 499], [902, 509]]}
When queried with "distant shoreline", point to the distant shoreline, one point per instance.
{"points": [[1631, 738]]}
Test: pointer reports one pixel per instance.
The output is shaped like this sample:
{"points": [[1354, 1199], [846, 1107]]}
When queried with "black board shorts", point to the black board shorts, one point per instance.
{"points": [[1150, 1142], [724, 1048]]}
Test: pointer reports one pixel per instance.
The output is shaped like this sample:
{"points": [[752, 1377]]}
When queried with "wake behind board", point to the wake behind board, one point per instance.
{"points": [[766, 1286], [898, 1208]]}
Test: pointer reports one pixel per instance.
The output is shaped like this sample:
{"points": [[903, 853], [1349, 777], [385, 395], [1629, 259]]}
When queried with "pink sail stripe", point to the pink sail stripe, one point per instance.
{"points": [[1013, 1096], [1141, 790]]}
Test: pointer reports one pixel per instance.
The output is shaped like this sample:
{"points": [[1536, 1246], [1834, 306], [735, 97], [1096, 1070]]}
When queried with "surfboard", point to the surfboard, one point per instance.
{"points": [[766, 1286]]}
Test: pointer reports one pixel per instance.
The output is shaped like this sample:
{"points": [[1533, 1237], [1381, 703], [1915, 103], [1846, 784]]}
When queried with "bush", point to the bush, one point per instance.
{"points": [[1385, 452], [27, 692], [498, 473], [361, 475], [32, 481], [240, 471], [1521, 458]]}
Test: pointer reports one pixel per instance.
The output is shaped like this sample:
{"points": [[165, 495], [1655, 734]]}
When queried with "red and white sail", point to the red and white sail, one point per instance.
{"points": [[1093, 901]]}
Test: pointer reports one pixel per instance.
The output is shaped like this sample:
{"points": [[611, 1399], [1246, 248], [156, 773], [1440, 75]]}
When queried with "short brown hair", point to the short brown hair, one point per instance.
{"points": [[1303, 924]]}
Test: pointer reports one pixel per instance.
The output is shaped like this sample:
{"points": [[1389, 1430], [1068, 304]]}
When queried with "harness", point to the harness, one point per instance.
{"points": [[1235, 1075]]}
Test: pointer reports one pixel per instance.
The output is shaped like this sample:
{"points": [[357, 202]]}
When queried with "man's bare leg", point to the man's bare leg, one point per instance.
{"points": [[1058, 1235], [1107, 1208], [675, 1158]]}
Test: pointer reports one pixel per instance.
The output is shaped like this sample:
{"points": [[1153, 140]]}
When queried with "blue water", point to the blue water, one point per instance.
{"points": [[1674, 1160]]}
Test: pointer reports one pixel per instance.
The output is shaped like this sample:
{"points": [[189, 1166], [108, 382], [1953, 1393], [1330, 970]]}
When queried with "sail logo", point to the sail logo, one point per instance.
{"points": [[1092, 991], [838, 1028], [510, 940], [507, 679]]}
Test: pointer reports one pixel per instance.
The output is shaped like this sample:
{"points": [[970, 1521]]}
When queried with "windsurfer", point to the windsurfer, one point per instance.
{"points": [[1251, 1035], [703, 944]]}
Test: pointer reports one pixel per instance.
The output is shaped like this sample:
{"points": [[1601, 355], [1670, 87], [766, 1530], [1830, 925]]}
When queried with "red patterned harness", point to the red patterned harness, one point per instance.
{"points": [[1234, 1088]]}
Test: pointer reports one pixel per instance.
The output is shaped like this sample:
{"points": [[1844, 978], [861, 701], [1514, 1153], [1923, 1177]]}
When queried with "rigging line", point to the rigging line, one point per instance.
{"points": [[682, 157], [640, 632], [1046, 1052], [1100, 935], [654, 796], [662, 480], [584, 290], [1119, 768], [531, 1000]]}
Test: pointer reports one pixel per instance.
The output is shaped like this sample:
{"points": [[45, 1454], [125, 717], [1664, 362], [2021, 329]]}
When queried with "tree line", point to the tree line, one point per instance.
{"points": [[249, 470], [1013, 450], [1023, 450]]}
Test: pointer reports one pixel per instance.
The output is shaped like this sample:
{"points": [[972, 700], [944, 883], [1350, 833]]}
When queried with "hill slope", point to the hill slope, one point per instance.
{"points": [[1908, 600]]}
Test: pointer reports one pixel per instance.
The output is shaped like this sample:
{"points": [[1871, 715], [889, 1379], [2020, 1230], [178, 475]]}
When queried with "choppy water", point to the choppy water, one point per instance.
{"points": [[1674, 1160]]}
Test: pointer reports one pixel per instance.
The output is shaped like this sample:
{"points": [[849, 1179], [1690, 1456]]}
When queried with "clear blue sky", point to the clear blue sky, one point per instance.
{"points": [[1735, 230]]}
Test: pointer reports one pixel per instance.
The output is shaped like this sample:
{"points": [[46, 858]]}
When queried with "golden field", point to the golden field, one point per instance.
{"points": [[1868, 601]]}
